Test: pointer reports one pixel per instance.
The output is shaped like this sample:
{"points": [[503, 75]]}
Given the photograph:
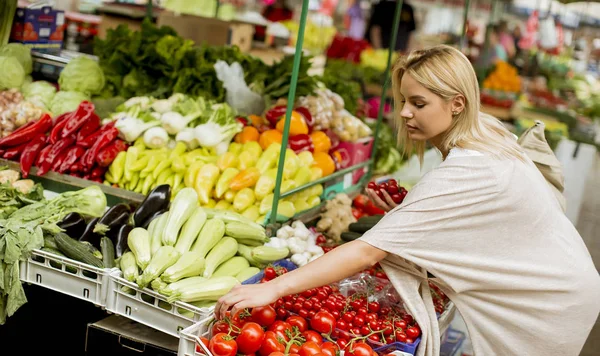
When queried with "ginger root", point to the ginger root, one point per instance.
{"points": [[336, 217]]}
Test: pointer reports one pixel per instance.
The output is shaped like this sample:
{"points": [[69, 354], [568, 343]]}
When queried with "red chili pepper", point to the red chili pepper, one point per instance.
{"points": [[275, 114], [97, 172], [78, 119], [30, 153], [59, 160], [71, 156], [310, 120], [13, 153], [77, 168], [59, 124], [90, 126], [57, 149], [91, 139], [243, 120], [29, 123], [107, 154], [22, 136], [42, 156], [1, 152], [103, 140], [301, 142]]}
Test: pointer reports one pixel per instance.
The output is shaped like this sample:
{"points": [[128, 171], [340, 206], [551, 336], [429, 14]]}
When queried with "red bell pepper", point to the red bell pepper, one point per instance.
{"points": [[335, 140], [90, 126], [301, 142], [103, 140], [71, 157], [59, 124], [108, 154], [275, 114], [30, 153], [91, 139], [43, 154], [24, 135], [310, 120], [54, 153], [13, 153], [83, 113]]}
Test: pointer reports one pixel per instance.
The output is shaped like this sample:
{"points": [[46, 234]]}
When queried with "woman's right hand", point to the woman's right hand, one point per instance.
{"points": [[387, 204]]}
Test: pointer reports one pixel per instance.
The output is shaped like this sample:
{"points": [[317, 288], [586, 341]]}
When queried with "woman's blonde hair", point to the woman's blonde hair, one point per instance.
{"points": [[447, 72]]}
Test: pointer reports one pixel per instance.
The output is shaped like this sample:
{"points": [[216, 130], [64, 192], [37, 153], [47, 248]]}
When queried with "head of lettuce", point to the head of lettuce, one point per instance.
{"points": [[83, 75], [12, 73]]}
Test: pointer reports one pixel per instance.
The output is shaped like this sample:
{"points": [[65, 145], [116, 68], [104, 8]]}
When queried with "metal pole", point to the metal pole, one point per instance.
{"points": [[385, 83], [288, 113]]}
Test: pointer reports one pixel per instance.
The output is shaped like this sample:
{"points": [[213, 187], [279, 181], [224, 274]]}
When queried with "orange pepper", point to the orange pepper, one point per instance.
{"points": [[268, 137], [321, 141], [256, 120], [325, 162], [297, 124], [245, 179], [249, 133]]}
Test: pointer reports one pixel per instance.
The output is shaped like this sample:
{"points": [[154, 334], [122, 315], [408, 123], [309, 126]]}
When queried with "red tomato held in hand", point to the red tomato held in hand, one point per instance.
{"points": [[298, 322], [323, 322], [359, 349], [264, 316], [309, 348], [312, 336], [222, 345], [270, 344], [281, 328], [250, 338]]}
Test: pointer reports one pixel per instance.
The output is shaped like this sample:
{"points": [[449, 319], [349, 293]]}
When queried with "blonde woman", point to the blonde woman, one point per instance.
{"points": [[485, 224]]}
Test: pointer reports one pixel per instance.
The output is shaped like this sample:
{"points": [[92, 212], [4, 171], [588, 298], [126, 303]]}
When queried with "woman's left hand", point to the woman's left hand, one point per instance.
{"points": [[246, 296], [387, 204]]}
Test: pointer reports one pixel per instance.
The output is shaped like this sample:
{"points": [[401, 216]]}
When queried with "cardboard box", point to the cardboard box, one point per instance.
{"points": [[211, 31], [41, 29], [116, 335]]}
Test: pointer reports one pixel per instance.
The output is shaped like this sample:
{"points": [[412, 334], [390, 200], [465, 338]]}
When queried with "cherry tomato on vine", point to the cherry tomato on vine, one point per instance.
{"points": [[400, 336], [313, 336], [298, 322], [309, 348], [270, 344], [280, 328], [359, 349], [413, 332], [323, 322], [329, 348], [270, 273]]}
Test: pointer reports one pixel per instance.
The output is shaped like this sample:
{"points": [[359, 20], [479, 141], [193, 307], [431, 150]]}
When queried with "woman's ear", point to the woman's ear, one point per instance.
{"points": [[458, 105]]}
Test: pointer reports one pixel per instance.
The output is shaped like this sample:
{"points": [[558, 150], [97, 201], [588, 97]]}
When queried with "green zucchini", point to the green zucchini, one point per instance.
{"points": [[108, 252], [50, 243], [93, 250], [57, 264], [350, 236], [76, 250], [360, 228]]}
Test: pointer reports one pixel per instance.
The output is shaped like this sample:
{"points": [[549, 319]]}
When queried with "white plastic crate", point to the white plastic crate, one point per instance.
{"points": [[189, 337], [67, 276], [150, 308]]}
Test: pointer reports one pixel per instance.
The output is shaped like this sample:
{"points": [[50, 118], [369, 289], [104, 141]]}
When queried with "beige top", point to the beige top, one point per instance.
{"points": [[496, 239]]}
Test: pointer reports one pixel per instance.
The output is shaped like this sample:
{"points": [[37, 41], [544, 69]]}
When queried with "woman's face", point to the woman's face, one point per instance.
{"points": [[426, 115]]}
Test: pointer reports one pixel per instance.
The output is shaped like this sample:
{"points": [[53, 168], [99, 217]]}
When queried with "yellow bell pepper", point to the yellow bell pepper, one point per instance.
{"points": [[211, 204], [271, 173], [245, 179], [306, 158], [223, 183], [264, 186], [243, 199], [316, 190], [301, 205], [223, 205], [130, 159], [246, 160], [291, 164], [261, 219], [235, 148], [266, 204], [229, 195], [254, 148], [227, 160], [251, 213], [288, 185], [302, 176], [313, 201], [269, 157], [205, 181], [191, 173], [179, 150], [315, 173], [286, 208], [178, 165]]}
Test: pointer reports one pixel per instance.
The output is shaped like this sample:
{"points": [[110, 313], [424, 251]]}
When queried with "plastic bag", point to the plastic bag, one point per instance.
{"points": [[239, 96]]}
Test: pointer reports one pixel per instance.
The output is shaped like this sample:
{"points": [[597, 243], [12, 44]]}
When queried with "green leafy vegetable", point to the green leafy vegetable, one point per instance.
{"points": [[83, 75], [21, 53], [65, 101], [40, 92], [12, 73]]}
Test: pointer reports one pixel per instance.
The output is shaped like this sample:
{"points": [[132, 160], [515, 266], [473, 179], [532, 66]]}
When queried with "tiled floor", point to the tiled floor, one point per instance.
{"points": [[589, 228]]}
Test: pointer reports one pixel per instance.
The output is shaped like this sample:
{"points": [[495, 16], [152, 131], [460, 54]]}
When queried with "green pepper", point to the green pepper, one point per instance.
{"points": [[177, 181], [130, 159], [153, 161], [140, 164], [161, 167], [147, 184], [179, 150], [135, 178], [164, 175]]}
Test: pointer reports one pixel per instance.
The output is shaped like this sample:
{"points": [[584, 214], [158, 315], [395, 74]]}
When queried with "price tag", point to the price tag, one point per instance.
{"points": [[348, 180]]}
